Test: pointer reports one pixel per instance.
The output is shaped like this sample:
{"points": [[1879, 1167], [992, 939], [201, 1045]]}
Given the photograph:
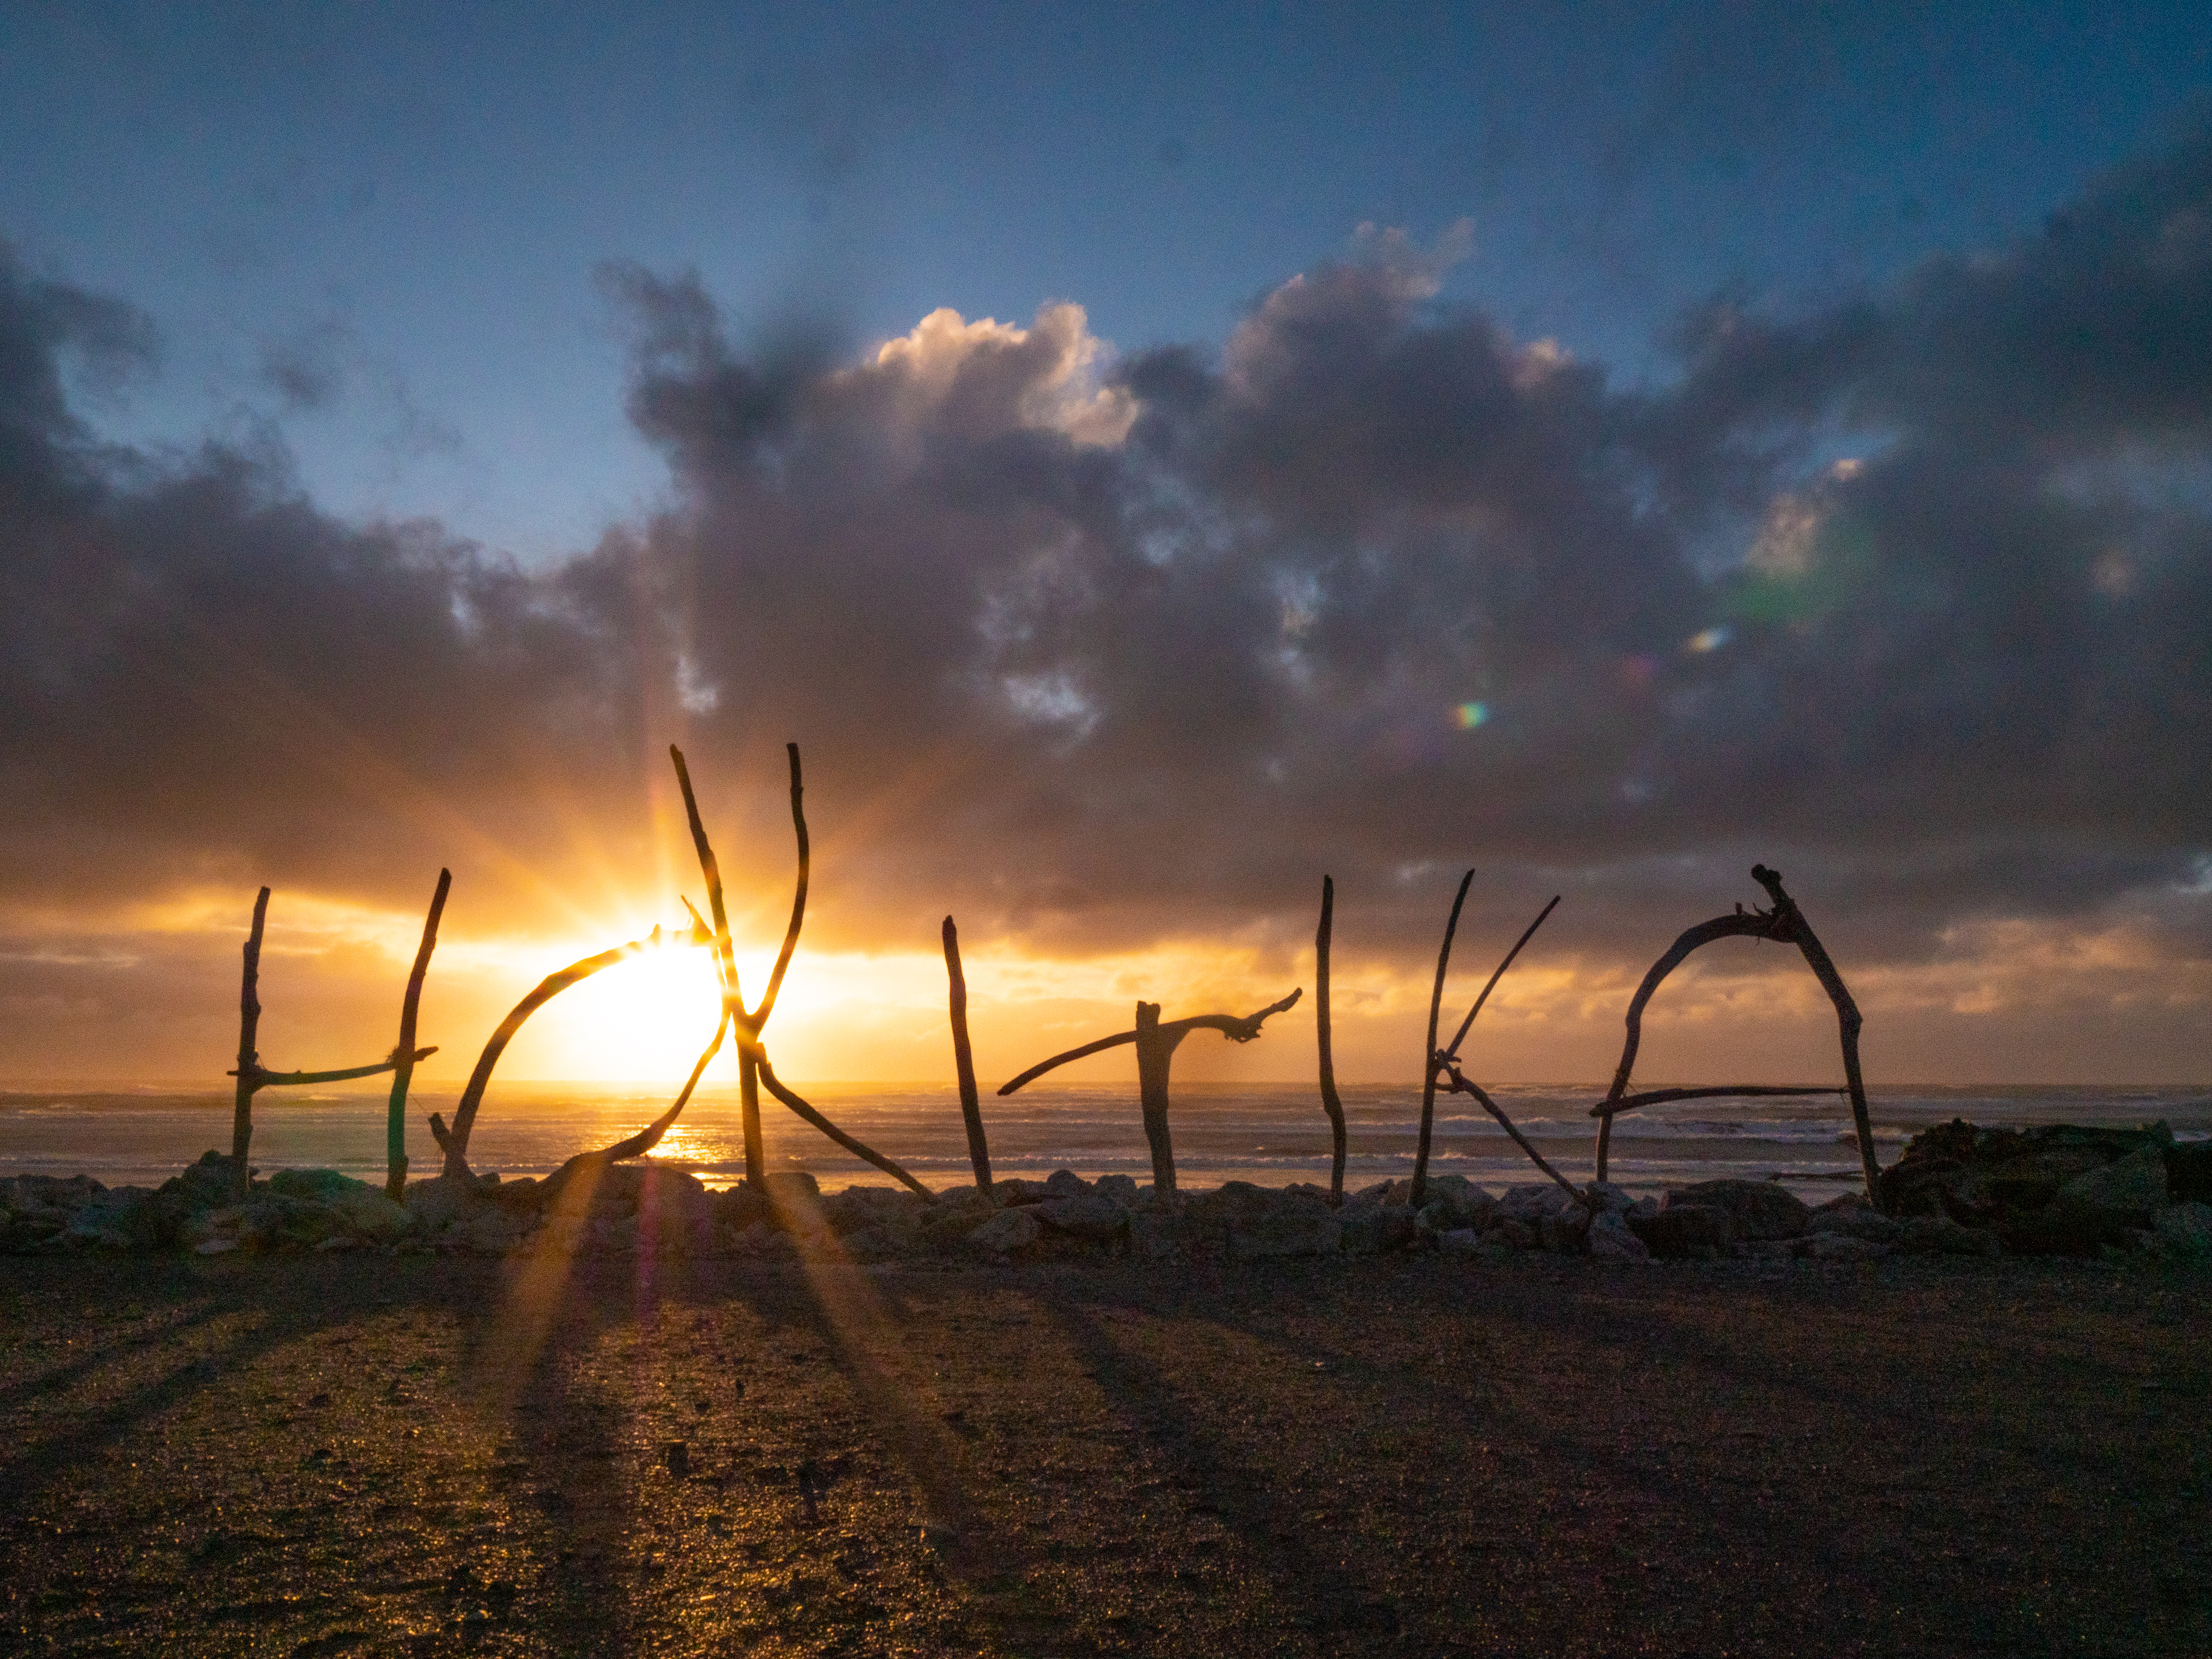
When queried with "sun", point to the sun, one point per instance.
{"points": [[641, 1021]]}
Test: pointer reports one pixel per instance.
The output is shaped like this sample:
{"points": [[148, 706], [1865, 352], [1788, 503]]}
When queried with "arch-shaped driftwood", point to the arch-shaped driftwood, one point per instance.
{"points": [[1157, 1042], [454, 1141], [254, 1077], [1785, 924]]}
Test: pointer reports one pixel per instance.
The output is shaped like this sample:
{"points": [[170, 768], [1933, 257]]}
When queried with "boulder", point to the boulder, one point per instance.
{"points": [[1066, 1184], [438, 1202], [1755, 1209], [1120, 1188], [1460, 1240], [1933, 1235], [1842, 1247], [1288, 1231], [1859, 1222], [1007, 1231], [1163, 1232], [1014, 1190], [368, 1213], [203, 1186], [1609, 1239], [1373, 1229], [2002, 1178], [317, 1185], [1084, 1215], [2183, 1230], [1680, 1231], [1565, 1231], [2188, 1173], [792, 1186]]}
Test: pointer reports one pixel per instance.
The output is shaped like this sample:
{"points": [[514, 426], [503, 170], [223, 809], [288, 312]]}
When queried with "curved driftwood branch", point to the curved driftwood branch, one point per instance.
{"points": [[1722, 1091], [963, 1059], [1848, 1019], [1460, 1086], [1754, 923], [395, 1152], [1088, 1049], [867, 1154], [725, 961], [392, 1063], [1460, 1036], [1330, 1102], [1429, 1048], [249, 1061], [648, 1138], [455, 1141], [798, 898]]}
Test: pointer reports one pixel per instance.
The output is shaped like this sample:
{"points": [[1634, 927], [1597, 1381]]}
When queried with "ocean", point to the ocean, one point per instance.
{"points": [[1271, 1134]]}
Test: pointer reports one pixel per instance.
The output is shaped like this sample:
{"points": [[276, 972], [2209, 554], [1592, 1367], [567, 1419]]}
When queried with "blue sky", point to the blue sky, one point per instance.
{"points": [[371, 232]]}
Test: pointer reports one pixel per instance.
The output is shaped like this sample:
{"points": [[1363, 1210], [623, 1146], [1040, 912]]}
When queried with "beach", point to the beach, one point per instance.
{"points": [[1426, 1454]]}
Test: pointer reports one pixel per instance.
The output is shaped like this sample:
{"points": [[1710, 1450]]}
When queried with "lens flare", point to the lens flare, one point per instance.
{"points": [[1711, 640], [1468, 716]]}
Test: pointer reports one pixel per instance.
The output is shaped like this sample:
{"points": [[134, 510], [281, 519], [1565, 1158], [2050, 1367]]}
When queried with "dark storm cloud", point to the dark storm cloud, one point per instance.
{"points": [[1911, 594], [203, 677]]}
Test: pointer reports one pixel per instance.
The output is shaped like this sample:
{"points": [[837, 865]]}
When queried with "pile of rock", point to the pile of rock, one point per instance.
{"points": [[2059, 1189], [1958, 1191]]}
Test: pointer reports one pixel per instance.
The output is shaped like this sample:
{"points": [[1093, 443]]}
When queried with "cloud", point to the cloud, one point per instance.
{"points": [[1907, 593]]}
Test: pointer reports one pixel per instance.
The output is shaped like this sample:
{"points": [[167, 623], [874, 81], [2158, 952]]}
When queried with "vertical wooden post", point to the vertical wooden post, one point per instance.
{"points": [[249, 1056], [403, 1074], [1155, 1053], [1429, 1048], [749, 1113], [1330, 1103], [963, 1061], [1848, 1017]]}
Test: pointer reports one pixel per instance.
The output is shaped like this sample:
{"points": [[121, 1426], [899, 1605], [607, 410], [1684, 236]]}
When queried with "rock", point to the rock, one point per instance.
{"points": [[1085, 1215], [1514, 1234], [205, 1185], [1533, 1201], [1013, 1190], [493, 1230], [2129, 1189], [1565, 1231], [2183, 1230], [439, 1201], [2003, 1177], [1842, 1247], [319, 1185], [1066, 1184], [1931, 1235], [1610, 1240], [1460, 1240], [670, 1200], [1285, 1233], [1859, 1222], [1755, 1209], [1120, 1188], [2188, 1173], [1373, 1229], [1680, 1231], [128, 1219], [1163, 1232], [369, 1213], [787, 1187], [1611, 1200], [1005, 1232], [739, 1207]]}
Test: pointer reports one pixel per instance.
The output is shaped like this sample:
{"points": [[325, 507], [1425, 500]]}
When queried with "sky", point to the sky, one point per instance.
{"points": [[1147, 459]]}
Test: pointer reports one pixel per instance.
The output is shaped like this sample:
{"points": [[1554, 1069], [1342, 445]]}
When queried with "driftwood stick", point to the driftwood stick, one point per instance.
{"points": [[866, 1154], [1726, 1091], [648, 1138], [1742, 925], [963, 1061], [343, 1074], [1428, 1049], [1460, 1086], [249, 1059], [1460, 1036], [1330, 1102], [798, 899], [403, 1074], [725, 961], [455, 1141], [1157, 1041], [1848, 1019]]}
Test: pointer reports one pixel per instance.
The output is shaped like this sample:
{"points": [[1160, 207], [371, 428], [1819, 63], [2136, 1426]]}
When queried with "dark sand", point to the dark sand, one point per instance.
{"points": [[1420, 1455]]}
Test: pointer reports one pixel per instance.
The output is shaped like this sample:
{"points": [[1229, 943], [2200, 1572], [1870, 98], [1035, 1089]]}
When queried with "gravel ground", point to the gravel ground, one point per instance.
{"points": [[1420, 1455]]}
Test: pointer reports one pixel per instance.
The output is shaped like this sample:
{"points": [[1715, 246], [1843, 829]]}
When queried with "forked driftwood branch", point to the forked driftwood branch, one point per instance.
{"points": [[455, 1141], [1157, 1042], [252, 1077], [1447, 1060], [749, 1022], [1785, 924], [1331, 1103], [1429, 1048], [963, 1059], [753, 1067], [395, 1134]]}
